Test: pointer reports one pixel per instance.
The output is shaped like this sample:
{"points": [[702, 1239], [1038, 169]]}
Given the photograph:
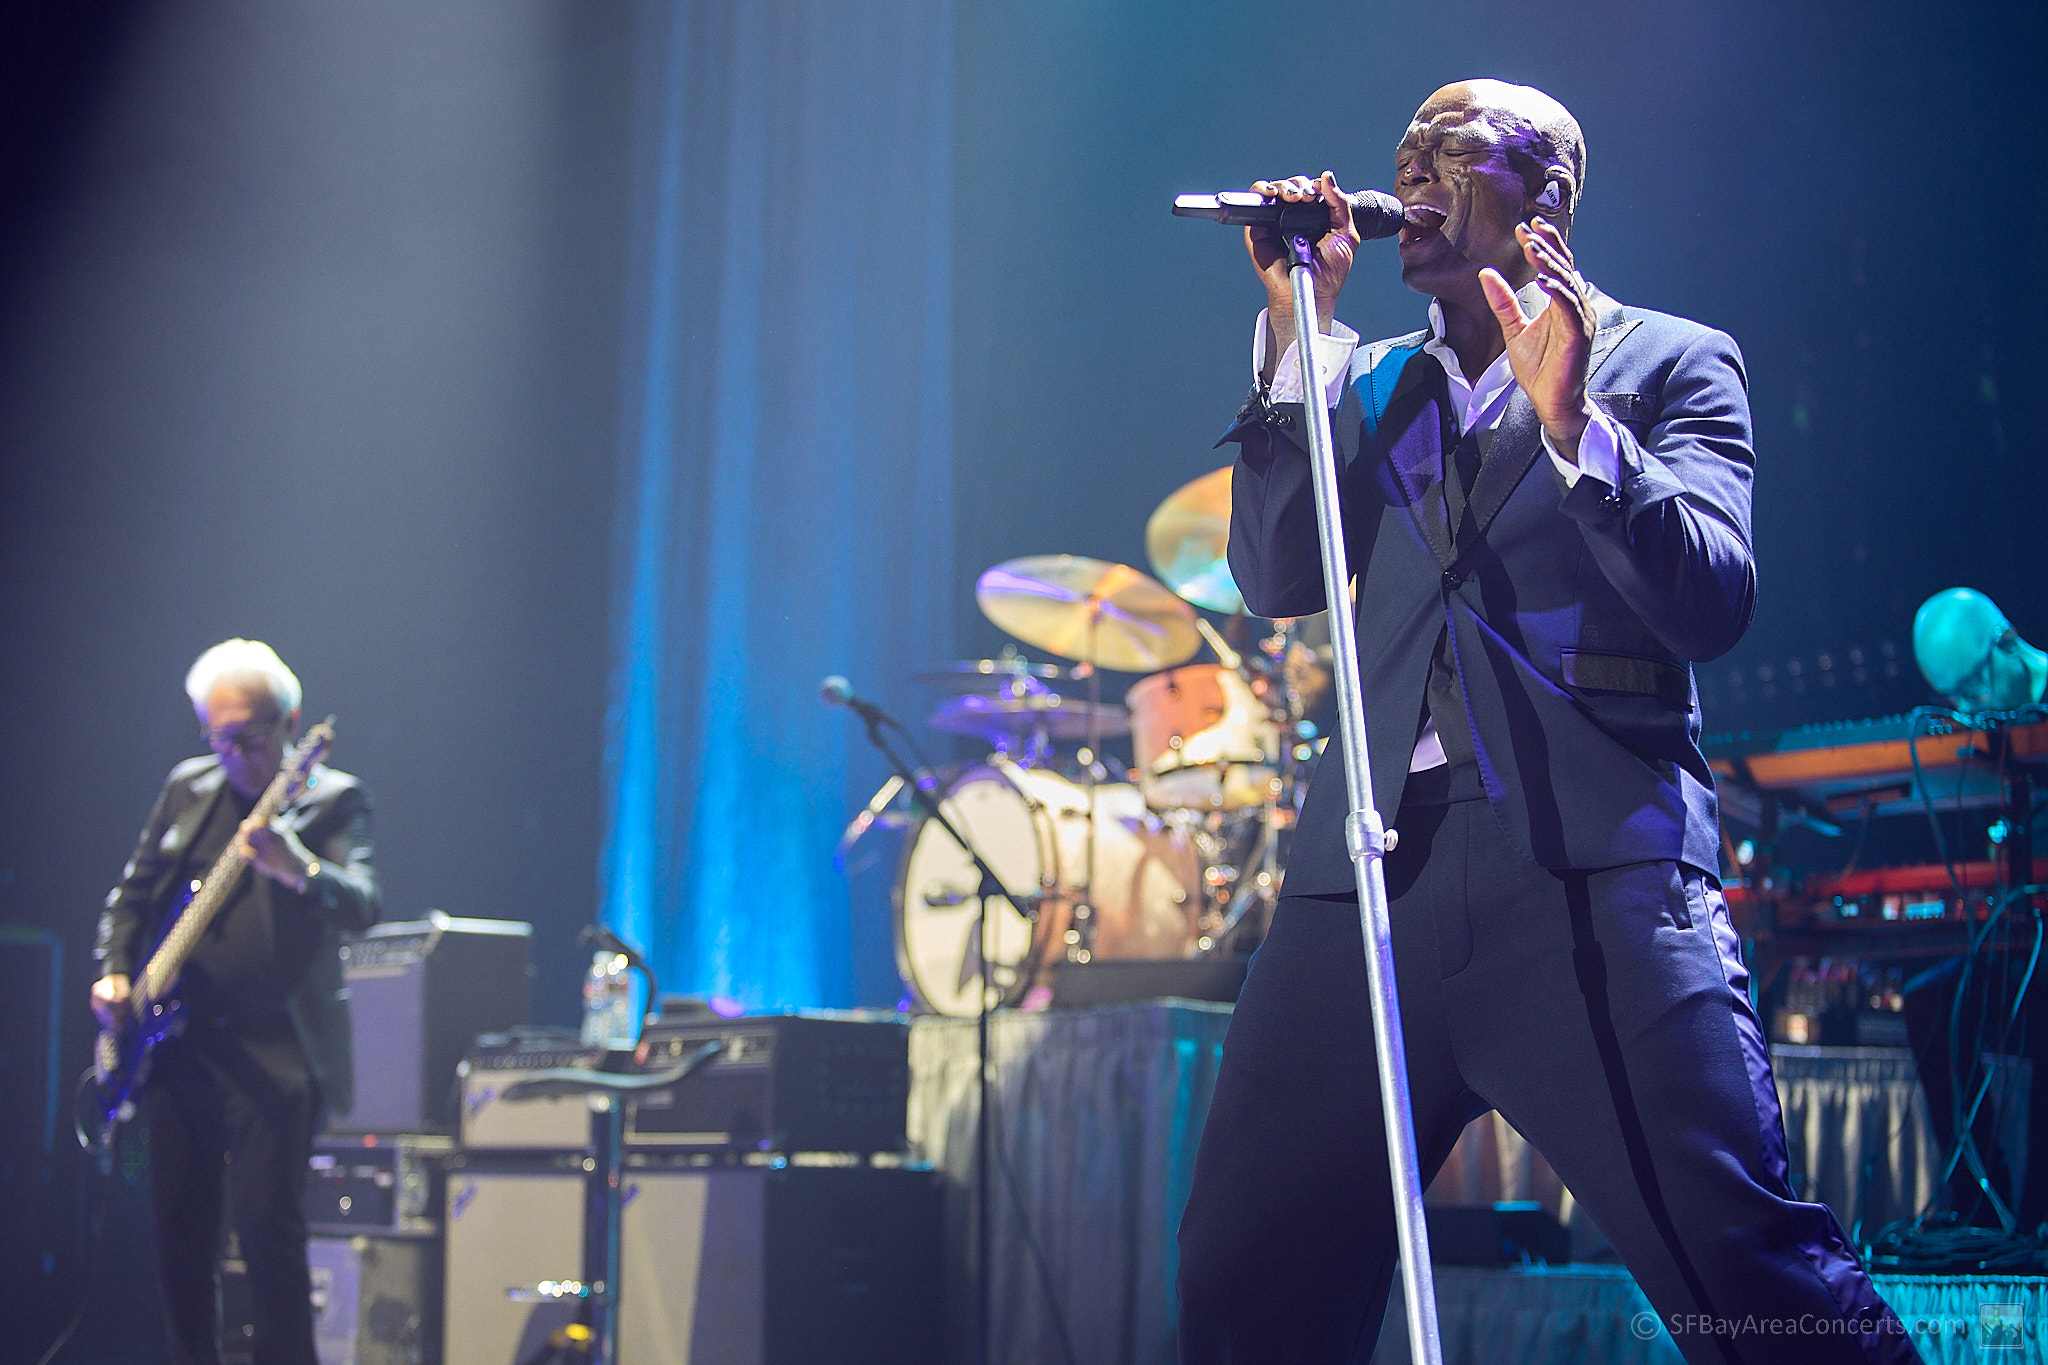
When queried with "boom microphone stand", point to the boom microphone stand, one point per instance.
{"points": [[991, 888], [1366, 838]]}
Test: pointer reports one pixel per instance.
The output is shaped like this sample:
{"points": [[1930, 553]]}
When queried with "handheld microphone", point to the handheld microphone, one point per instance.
{"points": [[1373, 213], [839, 692]]}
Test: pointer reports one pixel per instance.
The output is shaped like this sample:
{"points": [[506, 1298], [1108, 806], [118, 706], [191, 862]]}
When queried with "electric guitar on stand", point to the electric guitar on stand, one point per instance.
{"points": [[153, 1012]]}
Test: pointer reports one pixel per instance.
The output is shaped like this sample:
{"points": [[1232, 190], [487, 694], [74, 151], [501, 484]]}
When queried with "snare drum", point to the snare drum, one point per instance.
{"points": [[1032, 827], [1203, 741]]}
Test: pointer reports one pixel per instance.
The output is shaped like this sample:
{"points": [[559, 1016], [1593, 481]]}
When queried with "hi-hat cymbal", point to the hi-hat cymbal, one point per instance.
{"points": [[1010, 676], [1100, 613], [1187, 539], [1014, 718]]}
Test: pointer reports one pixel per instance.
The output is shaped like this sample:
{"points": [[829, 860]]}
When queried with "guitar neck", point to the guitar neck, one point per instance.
{"points": [[221, 880]]}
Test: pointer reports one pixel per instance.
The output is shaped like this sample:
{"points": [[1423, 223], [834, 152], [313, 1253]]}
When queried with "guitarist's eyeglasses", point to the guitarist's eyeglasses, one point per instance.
{"points": [[244, 737]]}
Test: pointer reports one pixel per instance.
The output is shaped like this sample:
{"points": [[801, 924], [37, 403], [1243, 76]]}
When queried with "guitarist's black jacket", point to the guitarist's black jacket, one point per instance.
{"points": [[333, 820]]}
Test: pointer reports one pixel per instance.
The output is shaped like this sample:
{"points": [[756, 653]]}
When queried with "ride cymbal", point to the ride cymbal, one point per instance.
{"points": [[1092, 610]]}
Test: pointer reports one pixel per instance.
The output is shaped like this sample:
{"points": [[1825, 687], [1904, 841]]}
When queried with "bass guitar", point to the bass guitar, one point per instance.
{"points": [[153, 1012]]}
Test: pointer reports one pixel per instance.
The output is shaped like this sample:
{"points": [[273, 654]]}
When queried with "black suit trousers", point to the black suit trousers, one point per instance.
{"points": [[231, 1119], [1604, 1014]]}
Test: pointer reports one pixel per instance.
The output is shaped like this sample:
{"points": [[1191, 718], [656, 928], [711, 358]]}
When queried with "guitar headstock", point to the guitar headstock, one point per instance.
{"points": [[297, 773]]}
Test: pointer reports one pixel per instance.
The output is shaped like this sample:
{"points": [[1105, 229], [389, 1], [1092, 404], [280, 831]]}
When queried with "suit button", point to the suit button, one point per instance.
{"points": [[1452, 578]]}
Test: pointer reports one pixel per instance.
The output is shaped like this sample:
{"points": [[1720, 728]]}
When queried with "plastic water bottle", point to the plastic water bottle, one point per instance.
{"points": [[608, 1002]]}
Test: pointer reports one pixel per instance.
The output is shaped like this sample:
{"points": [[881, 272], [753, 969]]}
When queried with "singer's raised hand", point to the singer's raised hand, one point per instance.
{"points": [[1272, 256], [1549, 351]]}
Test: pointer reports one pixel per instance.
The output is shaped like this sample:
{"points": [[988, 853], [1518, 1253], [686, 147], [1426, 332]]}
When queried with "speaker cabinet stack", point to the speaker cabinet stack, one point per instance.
{"points": [[765, 1264], [420, 992], [768, 1215]]}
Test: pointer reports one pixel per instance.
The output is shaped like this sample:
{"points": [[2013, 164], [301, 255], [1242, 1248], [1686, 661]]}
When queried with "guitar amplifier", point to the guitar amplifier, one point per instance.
{"points": [[511, 1225], [555, 1123], [780, 1265], [419, 992], [376, 1301], [389, 1185], [811, 1082]]}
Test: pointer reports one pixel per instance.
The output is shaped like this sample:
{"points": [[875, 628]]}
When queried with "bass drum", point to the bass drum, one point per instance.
{"points": [[1032, 827]]}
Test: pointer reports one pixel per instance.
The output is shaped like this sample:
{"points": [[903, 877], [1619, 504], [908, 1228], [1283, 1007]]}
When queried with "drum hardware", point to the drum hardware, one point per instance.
{"points": [[1169, 864], [1261, 888], [1225, 655], [1102, 615]]}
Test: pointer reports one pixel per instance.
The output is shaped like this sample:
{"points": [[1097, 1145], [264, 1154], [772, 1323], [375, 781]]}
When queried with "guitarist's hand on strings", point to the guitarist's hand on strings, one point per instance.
{"points": [[276, 852], [109, 999]]}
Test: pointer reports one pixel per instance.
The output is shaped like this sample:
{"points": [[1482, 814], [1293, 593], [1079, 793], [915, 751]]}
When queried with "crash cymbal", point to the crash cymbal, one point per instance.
{"points": [[1187, 539], [1105, 614], [1011, 718], [1008, 676]]}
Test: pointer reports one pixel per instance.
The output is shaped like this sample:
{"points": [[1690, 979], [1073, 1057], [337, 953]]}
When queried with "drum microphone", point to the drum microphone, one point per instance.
{"points": [[1373, 213], [839, 692]]}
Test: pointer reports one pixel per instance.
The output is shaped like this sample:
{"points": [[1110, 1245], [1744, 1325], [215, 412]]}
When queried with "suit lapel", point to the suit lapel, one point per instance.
{"points": [[1519, 438]]}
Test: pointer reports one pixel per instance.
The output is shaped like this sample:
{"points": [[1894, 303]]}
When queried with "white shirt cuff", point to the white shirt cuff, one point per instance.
{"points": [[1599, 453], [1333, 363]]}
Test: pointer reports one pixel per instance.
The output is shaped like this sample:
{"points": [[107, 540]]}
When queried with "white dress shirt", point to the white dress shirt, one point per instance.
{"points": [[1477, 406]]}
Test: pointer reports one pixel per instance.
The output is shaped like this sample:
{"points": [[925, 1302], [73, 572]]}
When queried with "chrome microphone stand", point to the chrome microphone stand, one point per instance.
{"points": [[1366, 838]]}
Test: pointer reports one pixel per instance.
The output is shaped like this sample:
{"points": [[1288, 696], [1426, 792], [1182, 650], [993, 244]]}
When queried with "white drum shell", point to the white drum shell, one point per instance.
{"points": [[1202, 739], [1032, 827]]}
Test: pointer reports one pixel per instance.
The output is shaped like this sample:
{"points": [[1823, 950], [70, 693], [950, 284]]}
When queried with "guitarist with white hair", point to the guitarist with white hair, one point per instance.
{"points": [[232, 1102]]}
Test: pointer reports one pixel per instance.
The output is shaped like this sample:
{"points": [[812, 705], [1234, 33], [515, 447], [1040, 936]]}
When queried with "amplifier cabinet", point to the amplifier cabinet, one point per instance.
{"points": [[780, 1265], [782, 1083], [419, 992], [376, 1300], [372, 1184], [554, 1123], [510, 1228]]}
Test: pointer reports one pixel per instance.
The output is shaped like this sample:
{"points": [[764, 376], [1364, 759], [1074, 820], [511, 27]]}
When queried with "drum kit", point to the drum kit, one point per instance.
{"points": [[1176, 857]]}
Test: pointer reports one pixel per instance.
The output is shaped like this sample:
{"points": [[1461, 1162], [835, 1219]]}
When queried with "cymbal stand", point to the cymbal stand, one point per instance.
{"points": [[1091, 772], [1366, 838], [1263, 885]]}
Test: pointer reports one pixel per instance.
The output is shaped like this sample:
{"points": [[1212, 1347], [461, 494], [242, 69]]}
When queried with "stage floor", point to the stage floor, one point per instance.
{"points": [[1098, 1111], [1595, 1315]]}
